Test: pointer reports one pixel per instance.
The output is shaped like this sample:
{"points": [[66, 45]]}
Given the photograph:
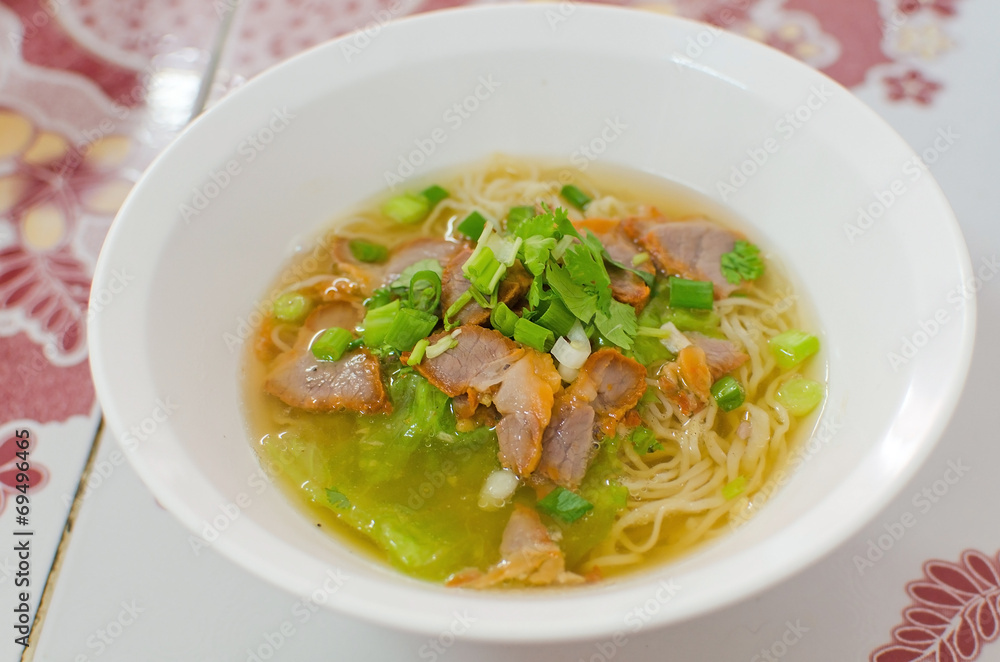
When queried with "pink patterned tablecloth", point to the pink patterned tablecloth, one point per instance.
{"points": [[92, 90]]}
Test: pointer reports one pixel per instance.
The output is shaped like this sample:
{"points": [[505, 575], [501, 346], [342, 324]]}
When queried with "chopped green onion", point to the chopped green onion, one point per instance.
{"points": [[644, 440], [528, 333], [640, 258], [417, 355], [518, 215], [441, 346], [562, 246], [408, 327], [686, 293], [800, 396], [793, 347], [291, 307], [503, 319], [332, 344], [734, 488], [425, 291], [366, 251], [575, 196], [556, 317], [403, 281], [456, 307], [434, 194], [482, 269], [407, 208], [473, 225], [377, 323], [565, 505], [478, 297], [728, 393]]}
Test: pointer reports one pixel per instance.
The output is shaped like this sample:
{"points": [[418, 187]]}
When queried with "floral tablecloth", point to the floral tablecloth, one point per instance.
{"points": [[92, 90]]}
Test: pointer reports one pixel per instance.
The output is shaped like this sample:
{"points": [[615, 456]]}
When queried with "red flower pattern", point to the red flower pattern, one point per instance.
{"points": [[912, 85], [955, 610], [38, 475]]}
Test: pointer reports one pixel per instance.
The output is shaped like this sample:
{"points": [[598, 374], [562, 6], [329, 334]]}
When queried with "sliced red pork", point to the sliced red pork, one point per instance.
{"points": [[520, 383], [413, 251], [692, 248], [528, 556], [353, 383], [722, 356], [454, 284], [608, 387], [687, 381]]}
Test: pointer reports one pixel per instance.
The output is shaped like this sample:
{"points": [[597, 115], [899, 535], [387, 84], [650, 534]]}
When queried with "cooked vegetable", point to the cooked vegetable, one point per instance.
{"points": [[575, 196], [528, 333], [728, 393], [793, 347], [366, 251], [686, 293], [407, 208], [425, 291], [332, 344], [434, 194], [377, 323], [408, 327], [473, 225], [565, 505], [291, 307], [734, 488], [742, 263], [800, 396]]}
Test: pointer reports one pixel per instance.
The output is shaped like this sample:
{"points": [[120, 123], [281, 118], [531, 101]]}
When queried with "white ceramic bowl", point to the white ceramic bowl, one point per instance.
{"points": [[318, 133]]}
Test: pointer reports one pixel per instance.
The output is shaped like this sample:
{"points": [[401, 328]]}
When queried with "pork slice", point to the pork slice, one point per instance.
{"points": [[524, 400], [691, 248], [528, 556], [411, 252], [454, 284], [722, 356], [520, 382], [687, 381], [482, 353], [345, 314], [609, 386], [568, 445], [611, 382], [352, 383]]}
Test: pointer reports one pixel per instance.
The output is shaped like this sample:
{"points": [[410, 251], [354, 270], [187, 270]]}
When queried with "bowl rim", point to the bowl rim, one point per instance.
{"points": [[406, 618]]}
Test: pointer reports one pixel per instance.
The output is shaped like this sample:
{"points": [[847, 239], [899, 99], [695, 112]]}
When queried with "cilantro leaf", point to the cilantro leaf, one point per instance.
{"points": [[580, 302], [565, 505], [535, 253], [617, 325], [742, 263]]}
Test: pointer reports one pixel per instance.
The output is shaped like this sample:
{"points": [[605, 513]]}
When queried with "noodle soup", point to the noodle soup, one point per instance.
{"points": [[505, 379]]}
